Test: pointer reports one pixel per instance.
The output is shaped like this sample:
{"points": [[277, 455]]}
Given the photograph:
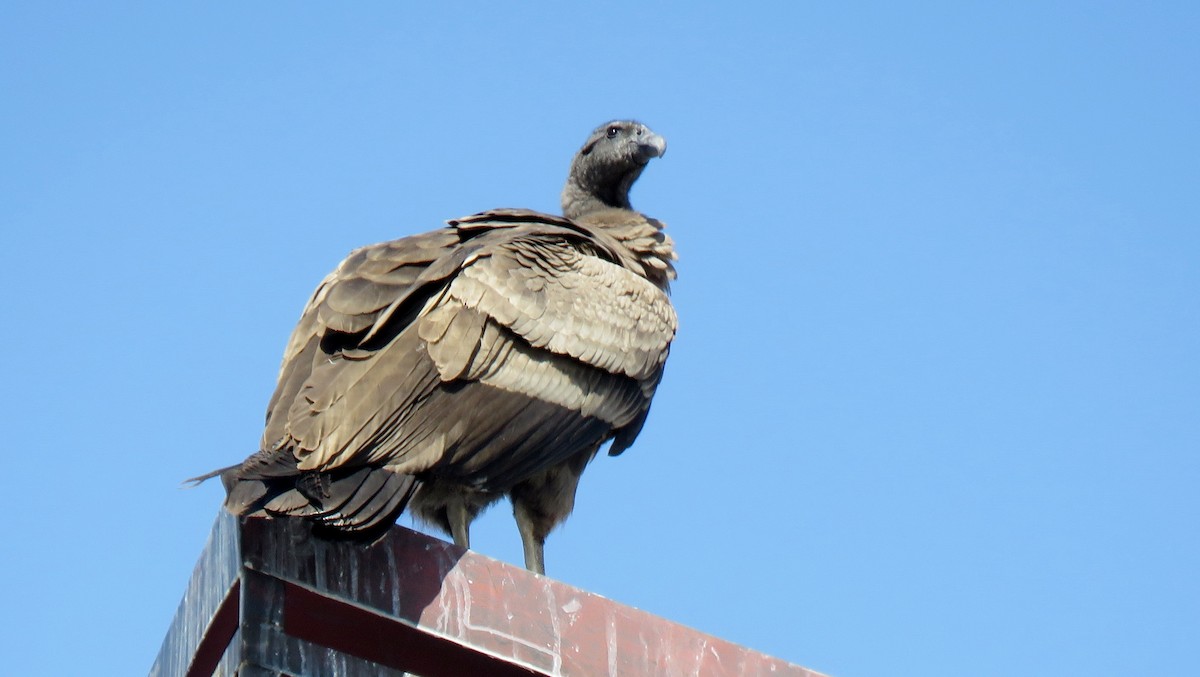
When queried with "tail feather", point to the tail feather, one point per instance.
{"points": [[291, 503], [365, 503], [361, 504], [364, 494], [240, 495], [387, 511], [201, 479]]}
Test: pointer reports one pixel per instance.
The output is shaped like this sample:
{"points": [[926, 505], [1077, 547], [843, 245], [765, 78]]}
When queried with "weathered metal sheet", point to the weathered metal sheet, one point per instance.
{"points": [[502, 610], [213, 581], [410, 602]]}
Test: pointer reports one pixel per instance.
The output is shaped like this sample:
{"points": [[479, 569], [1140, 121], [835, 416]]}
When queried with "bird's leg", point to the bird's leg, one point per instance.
{"points": [[533, 538], [460, 523]]}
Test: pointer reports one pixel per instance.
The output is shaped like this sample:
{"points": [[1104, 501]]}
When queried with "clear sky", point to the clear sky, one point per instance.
{"points": [[934, 407]]}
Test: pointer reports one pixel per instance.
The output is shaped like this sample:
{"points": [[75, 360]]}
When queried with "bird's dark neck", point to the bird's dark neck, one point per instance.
{"points": [[577, 200], [586, 194]]}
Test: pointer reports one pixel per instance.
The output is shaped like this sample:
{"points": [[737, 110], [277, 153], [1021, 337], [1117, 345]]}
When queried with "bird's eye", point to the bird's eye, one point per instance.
{"points": [[612, 131]]}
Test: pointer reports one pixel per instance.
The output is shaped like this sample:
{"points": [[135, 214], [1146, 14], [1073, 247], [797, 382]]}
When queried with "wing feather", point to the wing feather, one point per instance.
{"points": [[528, 311], [571, 303]]}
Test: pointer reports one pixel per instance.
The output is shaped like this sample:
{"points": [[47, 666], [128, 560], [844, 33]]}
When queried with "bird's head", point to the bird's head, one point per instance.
{"points": [[605, 168]]}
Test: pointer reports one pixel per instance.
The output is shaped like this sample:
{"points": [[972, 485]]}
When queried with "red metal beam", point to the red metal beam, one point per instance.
{"points": [[414, 603], [216, 639]]}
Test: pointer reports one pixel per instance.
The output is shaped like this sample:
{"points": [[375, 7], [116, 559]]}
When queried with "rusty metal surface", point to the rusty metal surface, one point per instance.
{"points": [[505, 611], [329, 622], [267, 598], [269, 649]]}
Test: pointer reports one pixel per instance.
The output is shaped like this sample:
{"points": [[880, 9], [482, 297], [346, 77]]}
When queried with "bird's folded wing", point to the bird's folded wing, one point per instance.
{"points": [[558, 297], [350, 300], [371, 278], [527, 309]]}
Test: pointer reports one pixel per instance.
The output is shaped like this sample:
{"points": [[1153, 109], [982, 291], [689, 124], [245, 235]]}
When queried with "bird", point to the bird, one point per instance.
{"points": [[493, 357]]}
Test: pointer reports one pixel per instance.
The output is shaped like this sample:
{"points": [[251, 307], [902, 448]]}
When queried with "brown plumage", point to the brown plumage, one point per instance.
{"points": [[495, 356]]}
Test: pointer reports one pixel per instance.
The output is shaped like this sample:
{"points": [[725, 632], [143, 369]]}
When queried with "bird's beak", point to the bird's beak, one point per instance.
{"points": [[651, 145]]}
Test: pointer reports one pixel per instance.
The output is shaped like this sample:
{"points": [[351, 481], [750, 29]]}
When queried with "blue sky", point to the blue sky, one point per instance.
{"points": [[934, 407]]}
